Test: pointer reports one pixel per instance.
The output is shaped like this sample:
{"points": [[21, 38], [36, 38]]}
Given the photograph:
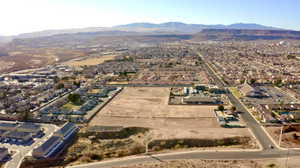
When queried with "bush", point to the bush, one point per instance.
{"points": [[188, 143], [137, 150], [94, 156], [75, 98]]}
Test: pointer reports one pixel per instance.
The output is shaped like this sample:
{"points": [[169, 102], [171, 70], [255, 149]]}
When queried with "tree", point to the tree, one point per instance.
{"points": [[74, 98], [60, 86], [26, 115], [56, 79], [252, 81], [242, 81], [278, 82], [221, 108], [233, 109], [77, 84]]}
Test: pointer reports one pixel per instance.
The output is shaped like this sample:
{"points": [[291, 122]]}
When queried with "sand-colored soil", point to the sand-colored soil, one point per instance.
{"points": [[152, 103], [264, 163], [287, 140], [148, 107], [90, 61]]}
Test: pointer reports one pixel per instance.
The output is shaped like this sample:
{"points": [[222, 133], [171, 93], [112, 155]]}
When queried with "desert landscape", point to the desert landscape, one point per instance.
{"points": [[263, 163], [148, 107], [89, 61]]}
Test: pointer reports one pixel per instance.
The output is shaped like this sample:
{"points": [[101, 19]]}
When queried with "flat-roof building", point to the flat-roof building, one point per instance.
{"points": [[49, 148], [67, 130], [8, 126], [32, 128], [3, 154], [21, 137], [57, 143]]}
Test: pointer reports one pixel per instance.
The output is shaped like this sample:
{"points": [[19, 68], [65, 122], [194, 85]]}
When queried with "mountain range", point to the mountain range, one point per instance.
{"points": [[191, 28], [169, 27]]}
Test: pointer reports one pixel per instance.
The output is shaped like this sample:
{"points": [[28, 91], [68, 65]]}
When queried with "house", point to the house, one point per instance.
{"points": [[278, 112], [4, 154], [201, 87]]}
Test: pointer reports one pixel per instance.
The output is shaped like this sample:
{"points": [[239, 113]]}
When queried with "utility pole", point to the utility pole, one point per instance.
{"points": [[287, 159], [147, 140], [280, 136]]}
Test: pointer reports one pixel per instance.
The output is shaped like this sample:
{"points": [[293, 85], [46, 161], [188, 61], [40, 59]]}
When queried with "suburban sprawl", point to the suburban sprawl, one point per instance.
{"points": [[87, 99]]}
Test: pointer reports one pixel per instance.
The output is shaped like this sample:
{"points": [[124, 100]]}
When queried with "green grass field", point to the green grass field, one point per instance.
{"points": [[71, 106], [235, 92]]}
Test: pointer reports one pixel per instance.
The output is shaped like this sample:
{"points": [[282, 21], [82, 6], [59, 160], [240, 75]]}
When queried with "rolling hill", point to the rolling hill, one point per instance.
{"points": [[169, 27], [246, 35]]}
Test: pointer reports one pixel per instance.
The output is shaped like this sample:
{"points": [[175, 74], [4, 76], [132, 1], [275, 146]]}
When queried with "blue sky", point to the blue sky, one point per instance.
{"points": [[19, 16]]}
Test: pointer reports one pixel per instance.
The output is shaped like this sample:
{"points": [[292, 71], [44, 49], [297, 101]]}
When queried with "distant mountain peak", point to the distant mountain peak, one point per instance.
{"points": [[193, 28]]}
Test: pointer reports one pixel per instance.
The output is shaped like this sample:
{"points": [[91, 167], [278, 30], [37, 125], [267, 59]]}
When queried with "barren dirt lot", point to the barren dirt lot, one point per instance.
{"points": [[148, 107], [152, 103], [290, 138], [90, 61], [264, 163]]}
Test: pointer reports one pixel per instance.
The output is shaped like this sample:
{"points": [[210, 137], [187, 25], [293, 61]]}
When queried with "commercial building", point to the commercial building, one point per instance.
{"points": [[4, 154], [66, 131], [19, 133], [60, 140], [19, 137], [34, 129], [49, 148], [8, 126]]}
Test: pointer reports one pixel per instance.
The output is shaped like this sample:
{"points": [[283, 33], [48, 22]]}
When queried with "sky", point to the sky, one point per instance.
{"points": [[22, 16]]}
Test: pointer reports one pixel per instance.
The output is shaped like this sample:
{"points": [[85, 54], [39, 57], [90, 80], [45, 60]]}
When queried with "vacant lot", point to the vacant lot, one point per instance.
{"points": [[264, 163], [290, 137], [152, 103], [148, 107], [90, 61]]}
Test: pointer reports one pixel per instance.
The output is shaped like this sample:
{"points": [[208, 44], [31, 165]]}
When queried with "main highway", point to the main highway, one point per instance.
{"points": [[268, 148]]}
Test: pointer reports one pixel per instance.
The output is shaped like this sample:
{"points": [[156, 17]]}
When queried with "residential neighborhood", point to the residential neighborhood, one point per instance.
{"points": [[150, 84]]}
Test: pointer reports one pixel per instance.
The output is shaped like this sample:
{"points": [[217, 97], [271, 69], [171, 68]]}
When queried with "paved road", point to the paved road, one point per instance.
{"points": [[256, 128], [191, 155]]}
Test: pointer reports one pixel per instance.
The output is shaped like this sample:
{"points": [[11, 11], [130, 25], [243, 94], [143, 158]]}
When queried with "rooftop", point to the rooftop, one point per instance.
{"points": [[51, 142]]}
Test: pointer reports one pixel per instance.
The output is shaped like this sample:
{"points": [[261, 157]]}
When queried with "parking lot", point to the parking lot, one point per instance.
{"points": [[275, 96]]}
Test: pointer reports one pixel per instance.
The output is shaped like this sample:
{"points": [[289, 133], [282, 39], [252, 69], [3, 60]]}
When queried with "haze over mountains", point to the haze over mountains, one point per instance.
{"points": [[173, 27]]}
